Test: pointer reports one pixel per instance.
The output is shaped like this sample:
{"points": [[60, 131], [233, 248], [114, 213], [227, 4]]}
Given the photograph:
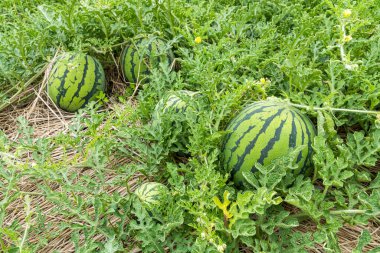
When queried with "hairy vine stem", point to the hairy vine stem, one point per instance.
{"points": [[307, 107]]}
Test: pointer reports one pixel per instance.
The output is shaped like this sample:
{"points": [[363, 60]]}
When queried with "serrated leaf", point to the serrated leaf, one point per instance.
{"points": [[271, 175], [333, 169], [249, 202], [375, 183], [365, 150], [364, 239], [277, 219], [302, 188], [112, 246], [243, 227], [371, 202]]}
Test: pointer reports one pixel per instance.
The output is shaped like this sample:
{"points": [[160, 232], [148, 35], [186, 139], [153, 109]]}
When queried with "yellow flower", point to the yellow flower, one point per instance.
{"points": [[264, 81], [198, 40], [347, 13], [347, 38]]}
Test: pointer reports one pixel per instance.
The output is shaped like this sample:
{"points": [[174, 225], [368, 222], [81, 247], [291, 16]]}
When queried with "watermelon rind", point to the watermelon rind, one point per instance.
{"points": [[140, 56], [151, 194], [74, 80], [264, 131], [174, 101]]}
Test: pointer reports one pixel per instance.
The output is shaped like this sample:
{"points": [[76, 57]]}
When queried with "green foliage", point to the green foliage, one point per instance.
{"points": [[296, 50]]}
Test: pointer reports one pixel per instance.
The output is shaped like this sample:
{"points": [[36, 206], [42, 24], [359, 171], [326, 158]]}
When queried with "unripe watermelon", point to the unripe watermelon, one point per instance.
{"points": [[151, 193], [264, 131], [177, 103], [138, 58], [74, 80], [174, 102]]}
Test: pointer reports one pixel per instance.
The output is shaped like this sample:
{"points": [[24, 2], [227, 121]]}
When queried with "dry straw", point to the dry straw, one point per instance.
{"points": [[48, 121]]}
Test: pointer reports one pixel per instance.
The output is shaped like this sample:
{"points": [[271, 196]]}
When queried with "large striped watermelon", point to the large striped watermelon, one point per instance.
{"points": [[151, 193], [75, 79], [139, 57], [264, 131]]}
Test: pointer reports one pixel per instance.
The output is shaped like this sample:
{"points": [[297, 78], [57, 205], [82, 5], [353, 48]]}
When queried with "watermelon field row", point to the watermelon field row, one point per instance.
{"points": [[189, 126]]}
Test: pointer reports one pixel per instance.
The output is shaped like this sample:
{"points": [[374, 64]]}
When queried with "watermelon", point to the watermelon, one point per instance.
{"points": [[138, 58], [176, 101], [262, 132], [151, 193], [176, 104], [74, 80]]}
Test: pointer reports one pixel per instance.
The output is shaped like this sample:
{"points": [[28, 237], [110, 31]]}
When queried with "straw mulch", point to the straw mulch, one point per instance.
{"points": [[47, 121]]}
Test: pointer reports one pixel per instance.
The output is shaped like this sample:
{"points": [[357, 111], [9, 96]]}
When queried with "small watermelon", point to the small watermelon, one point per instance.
{"points": [[74, 80], [140, 56], [176, 101], [151, 193], [264, 131]]}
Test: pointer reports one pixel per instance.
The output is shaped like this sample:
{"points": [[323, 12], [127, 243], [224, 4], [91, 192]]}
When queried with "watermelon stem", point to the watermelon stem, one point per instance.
{"points": [[334, 109], [300, 216], [348, 211]]}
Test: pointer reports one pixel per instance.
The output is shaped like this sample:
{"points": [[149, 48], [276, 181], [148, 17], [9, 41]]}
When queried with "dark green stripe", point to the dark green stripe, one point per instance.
{"points": [[299, 158], [61, 88], [80, 85], [148, 59], [147, 190], [97, 84], [177, 100], [271, 142], [293, 132], [237, 143], [133, 65], [251, 145], [247, 116], [250, 110], [236, 125], [309, 139]]}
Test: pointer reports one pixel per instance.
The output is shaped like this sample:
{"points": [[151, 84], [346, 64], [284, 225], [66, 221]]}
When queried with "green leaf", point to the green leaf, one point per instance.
{"points": [[376, 182], [112, 246], [333, 170], [243, 227], [303, 188], [271, 175], [277, 218], [364, 239], [365, 150], [371, 202]]}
